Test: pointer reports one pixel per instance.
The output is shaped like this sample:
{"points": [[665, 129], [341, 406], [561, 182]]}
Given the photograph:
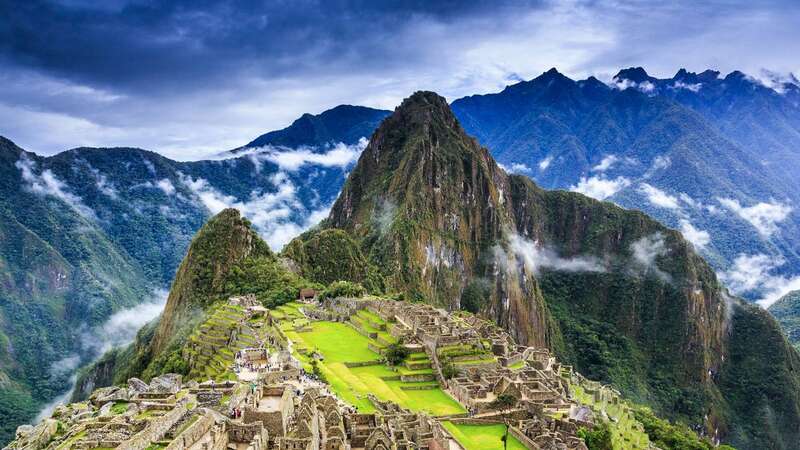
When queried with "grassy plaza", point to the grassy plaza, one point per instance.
{"points": [[482, 437], [340, 344]]}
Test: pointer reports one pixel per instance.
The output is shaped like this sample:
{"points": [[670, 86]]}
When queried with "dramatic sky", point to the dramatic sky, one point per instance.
{"points": [[189, 77]]}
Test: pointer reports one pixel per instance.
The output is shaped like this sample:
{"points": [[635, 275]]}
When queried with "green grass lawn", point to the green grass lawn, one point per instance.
{"points": [[340, 343], [482, 437]]}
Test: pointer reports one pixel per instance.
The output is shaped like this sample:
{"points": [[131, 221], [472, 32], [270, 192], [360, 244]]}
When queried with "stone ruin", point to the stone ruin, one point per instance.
{"points": [[276, 411]]}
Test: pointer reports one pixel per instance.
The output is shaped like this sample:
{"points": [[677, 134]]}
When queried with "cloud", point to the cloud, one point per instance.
{"points": [[65, 365], [605, 164], [127, 74], [103, 185], [699, 238], [694, 87], [340, 155], [120, 329], [519, 168], [646, 87], [166, 186], [763, 216], [545, 163], [645, 253], [753, 275], [600, 187], [46, 183], [274, 214], [516, 168], [537, 257], [659, 198]]}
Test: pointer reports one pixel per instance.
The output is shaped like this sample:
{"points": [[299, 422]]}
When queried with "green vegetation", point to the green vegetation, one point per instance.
{"points": [[119, 407], [671, 437], [598, 438], [332, 255], [787, 312], [343, 289], [396, 353], [482, 437], [340, 344], [267, 279]]}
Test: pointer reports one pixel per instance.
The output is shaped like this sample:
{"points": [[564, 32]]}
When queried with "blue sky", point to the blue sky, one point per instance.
{"points": [[188, 78]]}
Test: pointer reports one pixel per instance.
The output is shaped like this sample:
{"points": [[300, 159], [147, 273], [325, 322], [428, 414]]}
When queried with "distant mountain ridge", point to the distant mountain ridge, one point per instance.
{"points": [[344, 123], [673, 152]]}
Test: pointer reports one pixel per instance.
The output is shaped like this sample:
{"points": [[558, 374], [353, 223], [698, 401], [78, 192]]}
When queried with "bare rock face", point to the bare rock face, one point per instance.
{"points": [[136, 386], [109, 394], [165, 384]]}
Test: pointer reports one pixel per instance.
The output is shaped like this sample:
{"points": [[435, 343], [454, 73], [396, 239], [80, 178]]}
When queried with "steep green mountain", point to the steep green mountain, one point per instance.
{"points": [[89, 232], [644, 145], [60, 275], [787, 312], [617, 294], [226, 258]]}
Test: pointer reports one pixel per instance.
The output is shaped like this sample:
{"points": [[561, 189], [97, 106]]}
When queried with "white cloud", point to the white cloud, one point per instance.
{"points": [[753, 274], [536, 257], [606, 163], [764, 217], [65, 365], [166, 185], [600, 187], [646, 250], [340, 155], [520, 168], [121, 328], [47, 183], [103, 185], [545, 163], [694, 87], [270, 212], [658, 197], [699, 238], [645, 86]]}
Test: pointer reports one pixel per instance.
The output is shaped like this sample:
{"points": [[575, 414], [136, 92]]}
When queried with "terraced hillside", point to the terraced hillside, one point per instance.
{"points": [[351, 362]]}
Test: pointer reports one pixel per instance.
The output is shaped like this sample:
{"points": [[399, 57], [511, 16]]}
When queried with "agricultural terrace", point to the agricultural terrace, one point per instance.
{"points": [[353, 370]]}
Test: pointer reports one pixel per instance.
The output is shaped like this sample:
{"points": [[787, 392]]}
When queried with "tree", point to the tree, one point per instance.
{"points": [[449, 370], [343, 289], [598, 438], [396, 353]]}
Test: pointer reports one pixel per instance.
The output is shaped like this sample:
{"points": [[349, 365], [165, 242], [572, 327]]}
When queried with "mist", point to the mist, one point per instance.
{"points": [[119, 330]]}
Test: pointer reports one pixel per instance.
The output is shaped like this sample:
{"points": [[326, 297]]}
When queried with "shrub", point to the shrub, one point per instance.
{"points": [[449, 370], [343, 289], [396, 353], [504, 401], [598, 438]]}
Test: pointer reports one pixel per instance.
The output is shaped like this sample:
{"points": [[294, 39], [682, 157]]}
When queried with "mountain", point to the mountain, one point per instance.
{"points": [[700, 159], [91, 232], [787, 312], [344, 123], [617, 294]]}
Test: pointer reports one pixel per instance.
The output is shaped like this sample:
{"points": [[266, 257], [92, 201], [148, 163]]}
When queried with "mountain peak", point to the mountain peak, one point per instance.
{"points": [[223, 242], [635, 74], [424, 100]]}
